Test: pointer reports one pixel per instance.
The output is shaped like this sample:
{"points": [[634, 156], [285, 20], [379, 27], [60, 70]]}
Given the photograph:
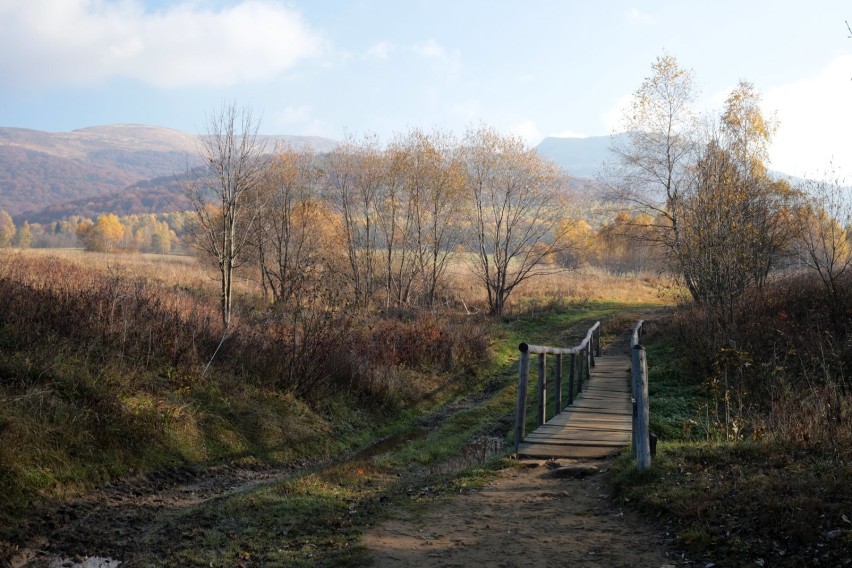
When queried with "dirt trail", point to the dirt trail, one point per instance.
{"points": [[548, 514]]}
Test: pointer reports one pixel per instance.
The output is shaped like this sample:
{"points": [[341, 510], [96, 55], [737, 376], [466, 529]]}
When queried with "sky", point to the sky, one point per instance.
{"points": [[333, 68]]}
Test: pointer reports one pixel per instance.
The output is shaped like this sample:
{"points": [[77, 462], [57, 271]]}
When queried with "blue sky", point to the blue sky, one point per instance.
{"points": [[328, 67]]}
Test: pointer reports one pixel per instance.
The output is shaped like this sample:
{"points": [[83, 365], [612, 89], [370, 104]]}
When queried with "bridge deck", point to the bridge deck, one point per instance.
{"points": [[600, 420]]}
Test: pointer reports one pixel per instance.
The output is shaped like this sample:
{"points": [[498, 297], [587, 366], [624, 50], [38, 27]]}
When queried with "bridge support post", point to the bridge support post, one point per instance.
{"points": [[521, 408], [641, 440]]}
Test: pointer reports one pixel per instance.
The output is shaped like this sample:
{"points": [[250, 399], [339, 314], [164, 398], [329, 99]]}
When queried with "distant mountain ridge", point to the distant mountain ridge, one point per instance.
{"points": [[131, 168], [580, 157], [115, 164]]}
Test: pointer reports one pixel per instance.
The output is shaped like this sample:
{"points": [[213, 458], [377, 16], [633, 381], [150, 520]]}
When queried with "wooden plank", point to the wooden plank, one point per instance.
{"points": [[574, 439], [546, 451]]}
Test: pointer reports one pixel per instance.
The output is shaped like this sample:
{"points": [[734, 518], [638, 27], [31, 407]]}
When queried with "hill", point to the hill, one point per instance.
{"points": [[580, 157], [41, 171]]}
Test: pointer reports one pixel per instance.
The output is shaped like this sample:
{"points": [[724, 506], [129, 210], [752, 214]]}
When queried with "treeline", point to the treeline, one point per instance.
{"points": [[378, 224], [160, 233]]}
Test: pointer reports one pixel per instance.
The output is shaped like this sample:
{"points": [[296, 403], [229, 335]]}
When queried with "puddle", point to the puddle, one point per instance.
{"points": [[477, 452], [88, 562]]}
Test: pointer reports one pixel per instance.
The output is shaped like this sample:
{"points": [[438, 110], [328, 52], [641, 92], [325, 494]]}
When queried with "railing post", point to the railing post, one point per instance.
{"points": [[521, 408], [557, 407], [590, 363], [542, 389], [641, 440], [572, 370], [582, 361], [598, 341]]}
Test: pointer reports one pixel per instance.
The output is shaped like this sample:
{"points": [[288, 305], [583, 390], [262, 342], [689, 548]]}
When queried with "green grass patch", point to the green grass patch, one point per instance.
{"points": [[741, 504]]}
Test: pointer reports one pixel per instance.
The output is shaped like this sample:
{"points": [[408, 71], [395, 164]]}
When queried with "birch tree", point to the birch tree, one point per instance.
{"points": [[655, 158], [224, 193]]}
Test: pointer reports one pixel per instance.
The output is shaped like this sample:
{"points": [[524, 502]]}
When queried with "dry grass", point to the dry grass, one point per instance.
{"points": [[588, 284], [180, 271]]}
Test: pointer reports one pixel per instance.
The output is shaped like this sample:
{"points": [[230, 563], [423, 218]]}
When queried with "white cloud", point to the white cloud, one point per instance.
{"points": [[300, 120], [431, 49], [380, 51], [639, 17], [469, 110], [815, 122], [613, 118], [527, 130], [88, 41]]}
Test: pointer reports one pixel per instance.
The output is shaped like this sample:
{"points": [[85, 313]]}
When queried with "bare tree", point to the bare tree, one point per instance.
{"points": [[824, 244], [223, 193], [429, 173], [354, 178], [516, 216], [289, 234]]}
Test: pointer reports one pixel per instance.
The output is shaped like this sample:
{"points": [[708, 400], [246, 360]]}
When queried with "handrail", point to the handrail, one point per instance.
{"points": [[638, 332], [582, 359]]}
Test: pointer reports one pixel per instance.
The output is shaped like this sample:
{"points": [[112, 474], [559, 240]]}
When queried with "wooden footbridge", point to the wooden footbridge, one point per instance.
{"points": [[606, 399]]}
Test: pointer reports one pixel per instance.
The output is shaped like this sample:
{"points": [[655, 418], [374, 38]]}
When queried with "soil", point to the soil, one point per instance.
{"points": [[544, 514]]}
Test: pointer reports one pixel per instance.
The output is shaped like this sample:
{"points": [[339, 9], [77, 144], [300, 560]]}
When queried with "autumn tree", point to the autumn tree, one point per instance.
{"points": [[723, 222], [224, 194], [354, 175], [629, 241], [24, 236], [824, 245], [104, 235], [7, 229], [161, 238], [515, 212], [291, 236], [735, 220], [427, 170], [655, 157], [746, 134]]}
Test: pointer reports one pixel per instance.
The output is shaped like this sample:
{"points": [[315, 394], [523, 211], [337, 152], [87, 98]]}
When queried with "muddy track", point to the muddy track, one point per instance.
{"points": [[127, 518], [109, 521]]}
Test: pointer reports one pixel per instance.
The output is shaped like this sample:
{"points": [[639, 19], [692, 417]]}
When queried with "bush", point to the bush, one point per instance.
{"points": [[777, 367]]}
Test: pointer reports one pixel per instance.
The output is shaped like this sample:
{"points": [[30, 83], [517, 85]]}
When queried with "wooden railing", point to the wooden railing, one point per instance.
{"points": [[582, 359], [639, 383]]}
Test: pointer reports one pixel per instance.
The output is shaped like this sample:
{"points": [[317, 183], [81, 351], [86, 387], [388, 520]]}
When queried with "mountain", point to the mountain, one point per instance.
{"points": [[580, 157], [129, 165]]}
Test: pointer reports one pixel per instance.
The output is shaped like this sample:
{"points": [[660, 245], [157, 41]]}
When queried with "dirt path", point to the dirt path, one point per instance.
{"points": [[555, 513], [548, 514]]}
